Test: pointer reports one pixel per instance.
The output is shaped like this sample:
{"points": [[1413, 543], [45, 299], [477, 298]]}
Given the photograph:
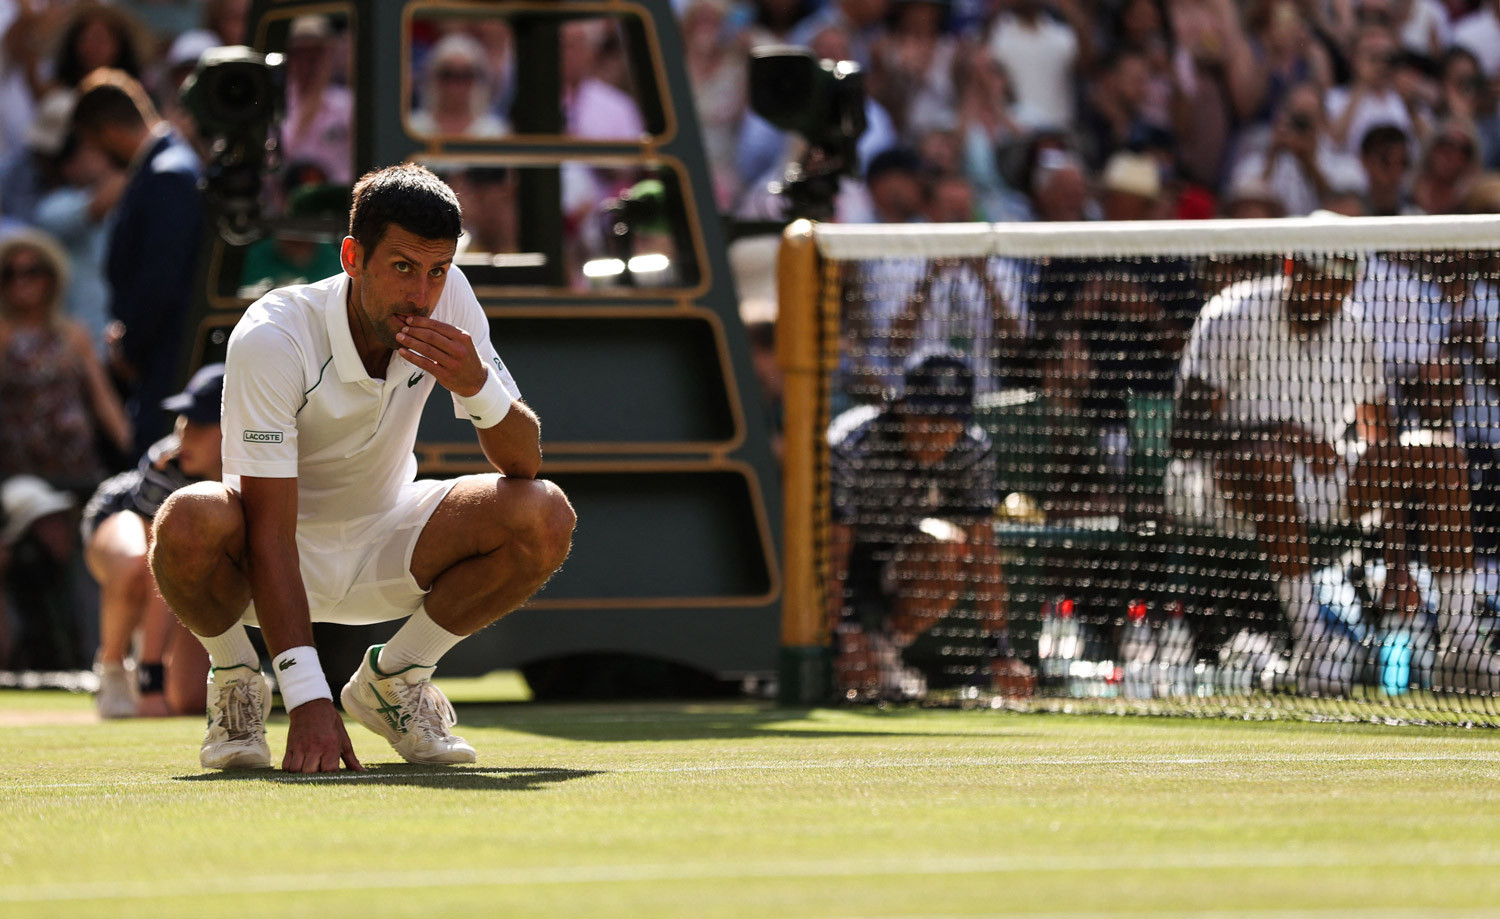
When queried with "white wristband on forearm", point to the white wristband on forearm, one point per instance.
{"points": [[300, 676], [490, 405]]}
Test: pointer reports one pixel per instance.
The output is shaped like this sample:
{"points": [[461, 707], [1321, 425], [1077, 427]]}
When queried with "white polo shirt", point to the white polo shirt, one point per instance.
{"points": [[1268, 370], [299, 404]]}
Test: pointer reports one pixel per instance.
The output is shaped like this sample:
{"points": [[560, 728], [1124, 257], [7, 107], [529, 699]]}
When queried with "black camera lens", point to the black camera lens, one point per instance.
{"points": [[238, 92]]}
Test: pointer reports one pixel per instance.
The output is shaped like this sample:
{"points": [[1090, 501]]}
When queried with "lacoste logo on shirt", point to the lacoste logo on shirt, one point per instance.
{"points": [[262, 437], [286, 663], [414, 380]]}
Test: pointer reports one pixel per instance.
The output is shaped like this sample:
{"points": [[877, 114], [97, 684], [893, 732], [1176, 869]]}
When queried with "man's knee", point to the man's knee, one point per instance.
{"points": [[199, 522], [553, 530], [116, 551]]}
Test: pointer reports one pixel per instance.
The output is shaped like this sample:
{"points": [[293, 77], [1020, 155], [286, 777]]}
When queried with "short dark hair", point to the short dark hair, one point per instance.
{"points": [[408, 195], [112, 97], [1381, 137]]}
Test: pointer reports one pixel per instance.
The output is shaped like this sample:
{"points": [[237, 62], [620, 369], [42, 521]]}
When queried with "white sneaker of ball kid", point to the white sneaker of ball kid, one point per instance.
{"points": [[407, 710], [118, 693], [238, 703]]}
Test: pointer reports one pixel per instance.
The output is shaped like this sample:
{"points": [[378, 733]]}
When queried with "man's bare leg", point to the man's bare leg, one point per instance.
{"points": [[491, 544], [197, 553], [1261, 484], [116, 557], [198, 558]]}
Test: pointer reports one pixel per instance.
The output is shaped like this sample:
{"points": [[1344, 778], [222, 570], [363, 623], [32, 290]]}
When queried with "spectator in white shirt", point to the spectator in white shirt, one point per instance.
{"points": [[1043, 55], [1479, 33], [1373, 96], [1297, 160]]}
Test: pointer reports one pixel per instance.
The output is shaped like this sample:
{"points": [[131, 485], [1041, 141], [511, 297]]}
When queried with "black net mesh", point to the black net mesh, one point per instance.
{"points": [[1206, 484]]}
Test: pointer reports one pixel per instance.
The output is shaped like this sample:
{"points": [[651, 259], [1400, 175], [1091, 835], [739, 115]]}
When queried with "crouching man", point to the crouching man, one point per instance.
{"points": [[320, 517]]}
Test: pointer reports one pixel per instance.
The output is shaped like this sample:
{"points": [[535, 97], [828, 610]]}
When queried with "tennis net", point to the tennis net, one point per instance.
{"points": [[1213, 467]]}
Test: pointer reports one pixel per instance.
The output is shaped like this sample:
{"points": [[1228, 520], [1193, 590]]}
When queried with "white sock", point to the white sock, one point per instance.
{"points": [[1457, 599], [1299, 602], [231, 649], [419, 643]]}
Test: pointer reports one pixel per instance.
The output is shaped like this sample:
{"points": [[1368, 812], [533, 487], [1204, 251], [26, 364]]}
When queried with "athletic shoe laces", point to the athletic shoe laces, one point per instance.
{"points": [[431, 712], [240, 713]]}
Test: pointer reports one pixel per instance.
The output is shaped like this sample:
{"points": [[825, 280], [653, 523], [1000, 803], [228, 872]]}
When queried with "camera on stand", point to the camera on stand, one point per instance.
{"points": [[822, 101], [237, 97]]}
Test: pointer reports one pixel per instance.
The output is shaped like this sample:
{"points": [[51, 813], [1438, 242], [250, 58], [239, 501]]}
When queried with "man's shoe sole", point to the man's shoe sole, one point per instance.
{"points": [[243, 759]]}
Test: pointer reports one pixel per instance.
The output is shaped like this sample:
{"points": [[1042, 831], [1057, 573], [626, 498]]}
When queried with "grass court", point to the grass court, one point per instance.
{"points": [[747, 810]]}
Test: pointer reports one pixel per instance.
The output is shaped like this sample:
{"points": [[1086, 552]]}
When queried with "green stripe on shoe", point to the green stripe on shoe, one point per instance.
{"points": [[375, 663]]}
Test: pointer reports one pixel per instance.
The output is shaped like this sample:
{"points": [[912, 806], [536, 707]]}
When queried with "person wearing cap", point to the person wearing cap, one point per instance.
{"points": [[1284, 425], [1131, 187], [37, 549], [319, 111], [915, 486], [169, 678]]}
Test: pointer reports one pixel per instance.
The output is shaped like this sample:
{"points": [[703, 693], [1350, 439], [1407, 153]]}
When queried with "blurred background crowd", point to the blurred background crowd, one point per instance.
{"points": [[994, 110]]}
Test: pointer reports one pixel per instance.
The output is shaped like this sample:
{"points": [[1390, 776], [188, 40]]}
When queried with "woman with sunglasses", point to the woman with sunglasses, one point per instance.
{"points": [[458, 91], [55, 400]]}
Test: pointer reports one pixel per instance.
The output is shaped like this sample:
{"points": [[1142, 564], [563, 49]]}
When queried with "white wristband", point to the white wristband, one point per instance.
{"points": [[300, 676], [490, 405]]}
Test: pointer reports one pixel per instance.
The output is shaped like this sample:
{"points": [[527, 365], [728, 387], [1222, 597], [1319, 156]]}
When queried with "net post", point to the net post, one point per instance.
{"points": [[804, 660]]}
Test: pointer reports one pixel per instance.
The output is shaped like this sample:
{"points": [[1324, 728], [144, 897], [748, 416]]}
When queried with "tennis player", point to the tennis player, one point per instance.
{"points": [[1285, 423], [320, 517]]}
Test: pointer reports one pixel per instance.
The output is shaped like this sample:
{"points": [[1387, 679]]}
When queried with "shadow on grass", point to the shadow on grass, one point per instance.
{"points": [[710, 721], [450, 778]]}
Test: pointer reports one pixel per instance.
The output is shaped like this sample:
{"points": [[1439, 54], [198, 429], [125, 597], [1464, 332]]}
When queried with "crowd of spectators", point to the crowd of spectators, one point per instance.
{"points": [[1251, 108], [99, 228]]}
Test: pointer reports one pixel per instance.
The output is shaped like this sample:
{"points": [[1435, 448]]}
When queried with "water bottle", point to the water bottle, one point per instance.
{"points": [[1174, 656], [1395, 663], [1137, 652], [1059, 646]]}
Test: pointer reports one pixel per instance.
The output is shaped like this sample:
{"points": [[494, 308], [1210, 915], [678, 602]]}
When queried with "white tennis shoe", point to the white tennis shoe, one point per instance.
{"points": [[238, 702], [118, 693], [407, 710]]}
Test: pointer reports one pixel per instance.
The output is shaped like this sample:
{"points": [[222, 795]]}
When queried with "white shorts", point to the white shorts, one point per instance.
{"points": [[359, 571], [1193, 494]]}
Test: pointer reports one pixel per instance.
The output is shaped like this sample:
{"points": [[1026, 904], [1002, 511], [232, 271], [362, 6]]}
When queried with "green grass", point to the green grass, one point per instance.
{"points": [[748, 810]]}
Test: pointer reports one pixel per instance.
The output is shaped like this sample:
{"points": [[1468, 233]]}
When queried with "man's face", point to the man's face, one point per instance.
{"points": [[402, 276], [1375, 59], [106, 140], [1062, 195], [897, 195], [1385, 167], [578, 50], [929, 435], [200, 455], [952, 202], [1315, 296]]}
